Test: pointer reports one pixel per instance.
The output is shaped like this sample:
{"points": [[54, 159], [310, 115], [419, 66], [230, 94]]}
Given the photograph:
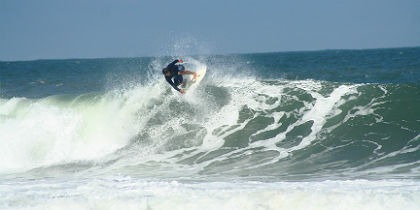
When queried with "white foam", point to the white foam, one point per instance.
{"points": [[124, 192], [43, 132]]}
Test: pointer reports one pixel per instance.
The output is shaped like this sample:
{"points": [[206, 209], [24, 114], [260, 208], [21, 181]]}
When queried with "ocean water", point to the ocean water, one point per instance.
{"points": [[333, 129]]}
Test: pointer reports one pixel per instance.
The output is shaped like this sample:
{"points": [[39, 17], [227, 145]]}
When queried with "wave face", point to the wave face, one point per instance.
{"points": [[248, 119]]}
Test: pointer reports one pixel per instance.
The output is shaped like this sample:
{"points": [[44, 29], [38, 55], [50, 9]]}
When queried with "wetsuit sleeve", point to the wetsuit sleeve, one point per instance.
{"points": [[168, 79], [172, 64]]}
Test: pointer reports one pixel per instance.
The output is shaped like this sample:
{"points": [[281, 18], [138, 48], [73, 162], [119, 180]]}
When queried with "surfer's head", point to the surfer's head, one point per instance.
{"points": [[166, 72]]}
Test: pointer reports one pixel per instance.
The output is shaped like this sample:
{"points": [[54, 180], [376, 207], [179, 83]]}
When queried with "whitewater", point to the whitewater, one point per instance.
{"points": [[335, 129]]}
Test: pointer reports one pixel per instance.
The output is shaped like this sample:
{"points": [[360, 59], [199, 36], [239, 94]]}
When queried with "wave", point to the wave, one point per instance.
{"points": [[245, 127]]}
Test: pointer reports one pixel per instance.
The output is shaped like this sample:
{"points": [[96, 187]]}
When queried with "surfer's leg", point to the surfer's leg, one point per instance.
{"points": [[178, 80], [179, 77]]}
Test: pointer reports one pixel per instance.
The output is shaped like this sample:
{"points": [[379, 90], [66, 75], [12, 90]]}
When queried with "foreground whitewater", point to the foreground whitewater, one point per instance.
{"points": [[299, 130]]}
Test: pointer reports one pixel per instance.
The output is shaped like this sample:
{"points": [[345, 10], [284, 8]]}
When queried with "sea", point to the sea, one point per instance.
{"points": [[330, 129]]}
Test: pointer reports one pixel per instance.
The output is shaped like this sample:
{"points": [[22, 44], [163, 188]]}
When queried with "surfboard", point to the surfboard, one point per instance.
{"points": [[189, 81]]}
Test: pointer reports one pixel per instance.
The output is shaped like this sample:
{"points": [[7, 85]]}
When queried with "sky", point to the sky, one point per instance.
{"points": [[65, 29]]}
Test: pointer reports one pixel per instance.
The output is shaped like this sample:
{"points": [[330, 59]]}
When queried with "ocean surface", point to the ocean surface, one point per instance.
{"points": [[333, 129]]}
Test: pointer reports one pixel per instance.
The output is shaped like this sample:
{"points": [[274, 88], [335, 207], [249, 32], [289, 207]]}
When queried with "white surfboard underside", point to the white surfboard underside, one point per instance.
{"points": [[189, 81]]}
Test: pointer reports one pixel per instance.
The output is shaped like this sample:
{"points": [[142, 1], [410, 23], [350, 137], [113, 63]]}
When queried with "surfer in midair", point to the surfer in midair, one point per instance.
{"points": [[176, 71]]}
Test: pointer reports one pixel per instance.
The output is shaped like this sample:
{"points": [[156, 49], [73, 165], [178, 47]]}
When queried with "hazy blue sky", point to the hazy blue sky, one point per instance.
{"points": [[47, 29]]}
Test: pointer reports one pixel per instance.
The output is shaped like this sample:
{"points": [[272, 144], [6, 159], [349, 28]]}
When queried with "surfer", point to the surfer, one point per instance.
{"points": [[176, 72]]}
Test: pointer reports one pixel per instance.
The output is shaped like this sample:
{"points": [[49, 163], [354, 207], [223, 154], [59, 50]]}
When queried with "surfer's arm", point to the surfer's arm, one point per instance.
{"points": [[173, 63]]}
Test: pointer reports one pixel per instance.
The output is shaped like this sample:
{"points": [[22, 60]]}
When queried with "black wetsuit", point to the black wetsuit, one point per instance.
{"points": [[174, 69]]}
